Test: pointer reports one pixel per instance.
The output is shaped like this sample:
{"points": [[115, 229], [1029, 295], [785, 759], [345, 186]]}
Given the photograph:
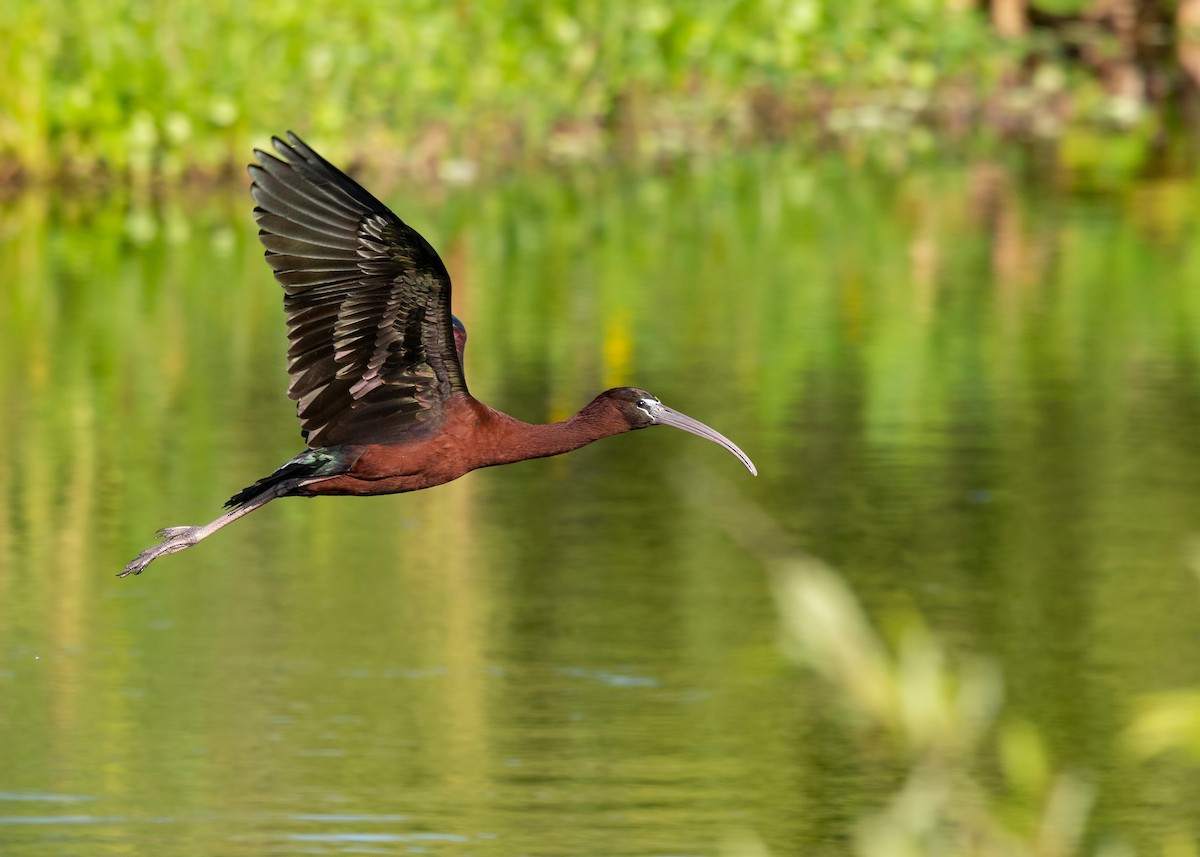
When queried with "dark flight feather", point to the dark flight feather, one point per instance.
{"points": [[371, 347]]}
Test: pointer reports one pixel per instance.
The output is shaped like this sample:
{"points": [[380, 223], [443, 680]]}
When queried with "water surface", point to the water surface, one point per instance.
{"points": [[971, 387]]}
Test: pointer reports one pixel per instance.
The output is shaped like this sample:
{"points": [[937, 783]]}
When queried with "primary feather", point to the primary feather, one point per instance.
{"points": [[371, 349]]}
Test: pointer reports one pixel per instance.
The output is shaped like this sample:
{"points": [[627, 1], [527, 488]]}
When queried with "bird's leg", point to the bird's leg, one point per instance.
{"points": [[175, 539]]}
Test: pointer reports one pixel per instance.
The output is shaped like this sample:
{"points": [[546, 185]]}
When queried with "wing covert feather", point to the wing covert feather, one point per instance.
{"points": [[371, 348]]}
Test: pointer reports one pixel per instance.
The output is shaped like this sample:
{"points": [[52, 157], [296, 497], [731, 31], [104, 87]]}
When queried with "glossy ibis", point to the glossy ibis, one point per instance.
{"points": [[375, 357]]}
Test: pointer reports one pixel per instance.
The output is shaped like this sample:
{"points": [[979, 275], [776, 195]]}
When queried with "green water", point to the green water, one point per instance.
{"points": [[973, 388]]}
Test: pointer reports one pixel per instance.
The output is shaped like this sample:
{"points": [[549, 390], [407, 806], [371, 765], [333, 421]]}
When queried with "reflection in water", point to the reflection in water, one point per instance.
{"points": [[973, 393]]}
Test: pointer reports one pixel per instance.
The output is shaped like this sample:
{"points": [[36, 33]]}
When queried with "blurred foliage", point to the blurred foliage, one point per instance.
{"points": [[942, 718], [135, 88], [971, 780], [975, 782]]}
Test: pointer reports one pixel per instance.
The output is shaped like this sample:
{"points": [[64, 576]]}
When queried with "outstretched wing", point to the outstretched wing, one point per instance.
{"points": [[371, 349]]}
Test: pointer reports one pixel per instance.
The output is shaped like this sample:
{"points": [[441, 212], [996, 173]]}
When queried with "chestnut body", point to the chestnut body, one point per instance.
{"points": [[471, 436]]}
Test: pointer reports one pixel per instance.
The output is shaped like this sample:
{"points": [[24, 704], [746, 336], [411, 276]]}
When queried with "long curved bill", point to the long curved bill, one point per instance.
{"points": [[667, 417]]}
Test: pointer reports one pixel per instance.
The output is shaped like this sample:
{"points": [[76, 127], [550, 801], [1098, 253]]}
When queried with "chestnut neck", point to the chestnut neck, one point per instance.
{"points": [[514, 440]]}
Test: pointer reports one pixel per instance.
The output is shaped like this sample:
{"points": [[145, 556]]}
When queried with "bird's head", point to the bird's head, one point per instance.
{"points": [[641, 410]]}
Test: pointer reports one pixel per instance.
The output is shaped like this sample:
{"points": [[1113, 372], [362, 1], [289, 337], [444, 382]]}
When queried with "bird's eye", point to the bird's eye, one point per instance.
{"points": [[647, 406]]}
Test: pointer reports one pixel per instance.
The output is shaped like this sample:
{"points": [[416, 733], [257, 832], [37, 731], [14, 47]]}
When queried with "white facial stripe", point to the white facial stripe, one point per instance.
{"points": [[648, 406]]}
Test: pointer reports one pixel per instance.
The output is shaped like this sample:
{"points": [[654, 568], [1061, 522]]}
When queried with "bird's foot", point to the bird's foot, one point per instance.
{"points": [[174, 539]]}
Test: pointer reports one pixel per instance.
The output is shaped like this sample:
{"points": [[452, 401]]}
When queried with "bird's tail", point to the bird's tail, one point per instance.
{"points": [[315, 463]]}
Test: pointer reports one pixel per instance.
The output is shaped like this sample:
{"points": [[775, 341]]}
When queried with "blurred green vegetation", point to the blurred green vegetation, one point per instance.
{"points": [[970, 778], [134, 89], [972, 784]]}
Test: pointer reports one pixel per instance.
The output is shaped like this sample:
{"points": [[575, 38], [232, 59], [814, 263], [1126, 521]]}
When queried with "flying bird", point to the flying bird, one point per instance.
{"points": [[375, 357]]}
